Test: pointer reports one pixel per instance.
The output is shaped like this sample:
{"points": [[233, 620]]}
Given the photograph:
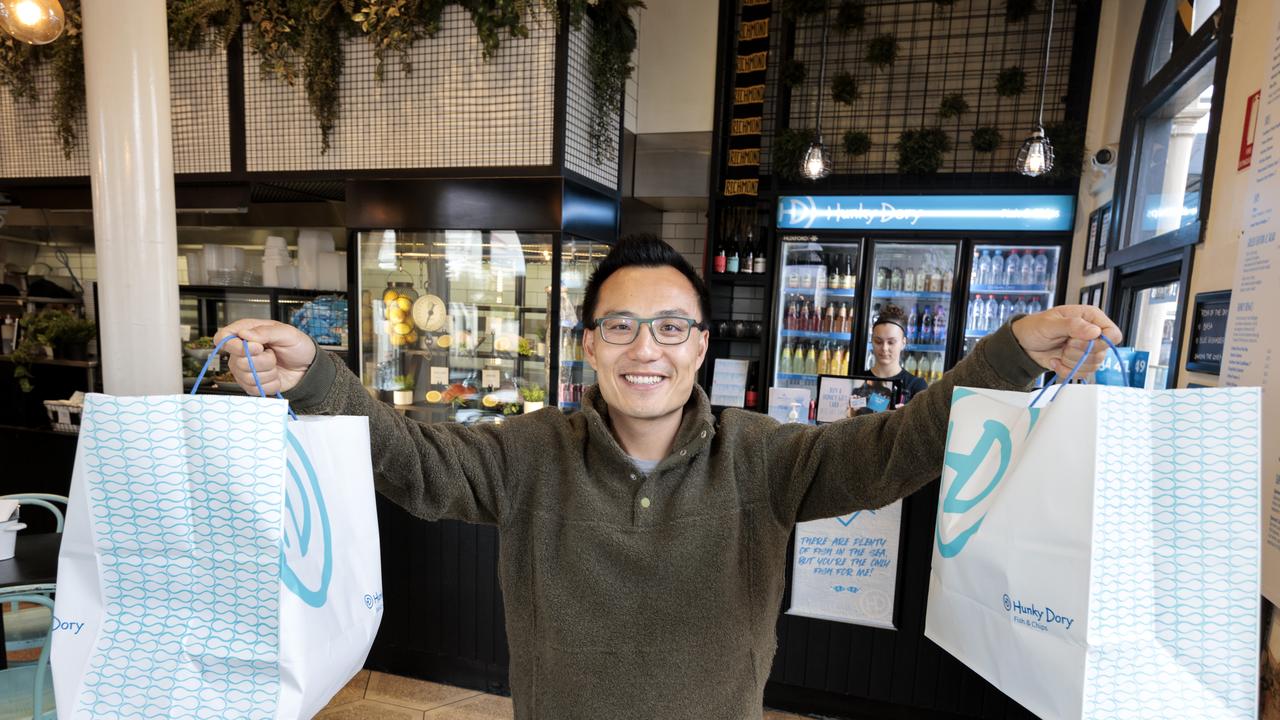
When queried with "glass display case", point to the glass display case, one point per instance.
{"points": [[460, 325], [919, 279], [818, 303], [1007, 280]]}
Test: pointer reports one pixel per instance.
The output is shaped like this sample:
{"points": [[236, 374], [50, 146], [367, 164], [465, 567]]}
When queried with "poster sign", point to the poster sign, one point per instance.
{"points": [[927, 212], [833, 398], [1133, 374], [729, 383], [845, 569], [1250, 131], [1212, 309]]}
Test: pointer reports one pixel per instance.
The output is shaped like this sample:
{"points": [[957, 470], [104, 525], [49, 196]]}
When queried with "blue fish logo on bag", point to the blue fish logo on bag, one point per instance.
{"points": [[970, 476], [306, 563]]}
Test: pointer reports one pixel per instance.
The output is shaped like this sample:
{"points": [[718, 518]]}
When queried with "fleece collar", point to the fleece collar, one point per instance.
{"points": [[697, 426]]}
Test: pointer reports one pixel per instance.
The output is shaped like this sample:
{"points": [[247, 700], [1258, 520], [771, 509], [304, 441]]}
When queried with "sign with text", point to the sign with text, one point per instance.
{"points": [[1133, 374], [927, 212], [789, 404], [845, 569], [741, 167], [1250, 131], [729, 383], [1209, 333]]}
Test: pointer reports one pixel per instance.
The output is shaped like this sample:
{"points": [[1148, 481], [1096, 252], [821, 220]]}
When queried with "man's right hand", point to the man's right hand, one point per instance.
{"points": [[281, 354]]}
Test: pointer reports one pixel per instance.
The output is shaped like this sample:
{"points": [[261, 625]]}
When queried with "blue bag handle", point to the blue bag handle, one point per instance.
{"points": [[209, 361], [1079, 363]]}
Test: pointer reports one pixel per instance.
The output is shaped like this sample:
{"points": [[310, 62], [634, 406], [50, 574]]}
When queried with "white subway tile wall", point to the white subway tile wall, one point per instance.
{"points": [[687, 233]]}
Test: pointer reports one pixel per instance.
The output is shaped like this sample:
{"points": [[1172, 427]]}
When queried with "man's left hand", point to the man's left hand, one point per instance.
{"points": [[1057, 337]]}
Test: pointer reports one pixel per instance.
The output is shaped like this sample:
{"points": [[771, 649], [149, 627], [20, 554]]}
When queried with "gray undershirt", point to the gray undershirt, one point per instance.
{"points": [[646, 466]]}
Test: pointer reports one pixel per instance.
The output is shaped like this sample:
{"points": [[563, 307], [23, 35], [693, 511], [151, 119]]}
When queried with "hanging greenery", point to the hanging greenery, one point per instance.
{"points": [[394, 26], [792, 73], [788, 150], [323, 26], [920, 151], [274, 36], [213, 23], [1067, 137], [856, 143], [882, 51], [986, 139], [1019, 10], [952, 106], [796, 9], [1011, 82], [851, 17], [613, 39], [18, 62], [68, 73], [496, 19], [844, 88]]}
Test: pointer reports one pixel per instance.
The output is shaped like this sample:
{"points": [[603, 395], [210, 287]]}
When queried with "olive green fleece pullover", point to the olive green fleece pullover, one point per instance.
{"points": [[651, 596]]}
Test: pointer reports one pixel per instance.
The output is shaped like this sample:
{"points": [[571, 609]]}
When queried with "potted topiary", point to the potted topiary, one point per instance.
{"points": [[952, 106], [403, 396], [533, 396], [70, 335], [844, 88], [1011, 81], [882, 51], [986, 139], [50, 333], [789, 146], [856, 143], [792, 73], [1019, 10], [851, 17], [920, 151]]}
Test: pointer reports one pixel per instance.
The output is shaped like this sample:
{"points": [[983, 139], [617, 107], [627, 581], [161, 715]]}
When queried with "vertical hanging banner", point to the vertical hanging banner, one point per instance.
{"points": [[746, 121], [845, 569]]}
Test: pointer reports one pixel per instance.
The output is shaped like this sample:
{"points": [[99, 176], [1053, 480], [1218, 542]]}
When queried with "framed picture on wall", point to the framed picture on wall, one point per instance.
{"points": [[1091, 243], [1104, 235], [1092, 295]]}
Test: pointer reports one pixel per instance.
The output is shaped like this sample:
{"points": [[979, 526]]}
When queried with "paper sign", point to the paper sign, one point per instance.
{"points": [[1250, 130], [491, 377], [783, 402], [729, 383], [845, 569], [1135, 368], [833, 398], [439, 376]]}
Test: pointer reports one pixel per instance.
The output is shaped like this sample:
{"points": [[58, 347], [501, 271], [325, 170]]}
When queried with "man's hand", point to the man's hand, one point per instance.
{"points": [[1057, 337], [281, 354]]}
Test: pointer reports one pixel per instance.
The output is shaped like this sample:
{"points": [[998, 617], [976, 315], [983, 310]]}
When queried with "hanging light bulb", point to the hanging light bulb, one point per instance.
{"points": [[1036, 156], [816, 165], [36, 22]]}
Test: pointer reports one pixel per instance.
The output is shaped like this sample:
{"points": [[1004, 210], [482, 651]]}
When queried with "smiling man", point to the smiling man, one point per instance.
{"points": [[643, 554]]}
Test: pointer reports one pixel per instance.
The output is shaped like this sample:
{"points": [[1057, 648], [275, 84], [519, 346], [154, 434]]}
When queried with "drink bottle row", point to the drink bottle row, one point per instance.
{"points": [[988, 315], [1025, 269], [926, 278], [927, 327], [805, 358], [803, 314], [740, 249], [829, 271]]}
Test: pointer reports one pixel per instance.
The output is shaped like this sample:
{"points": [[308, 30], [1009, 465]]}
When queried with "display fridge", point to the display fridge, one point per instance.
{"points": [[919, 278], [1007, 280], [816, 310]]}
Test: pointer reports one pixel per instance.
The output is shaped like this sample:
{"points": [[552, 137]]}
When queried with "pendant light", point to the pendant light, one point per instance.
{"points": [[1036, 156], [36, 22], [816, 164]]}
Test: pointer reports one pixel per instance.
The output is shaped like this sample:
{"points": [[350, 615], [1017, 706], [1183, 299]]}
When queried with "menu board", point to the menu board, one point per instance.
{"points": [[1252, 345], [1209, 332], [729, 383], [845, 569]]}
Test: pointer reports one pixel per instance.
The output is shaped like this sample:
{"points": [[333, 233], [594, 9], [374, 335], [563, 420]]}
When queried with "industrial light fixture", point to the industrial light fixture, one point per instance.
{"points": [[36, 22], [816, 164], [1036, 156]]}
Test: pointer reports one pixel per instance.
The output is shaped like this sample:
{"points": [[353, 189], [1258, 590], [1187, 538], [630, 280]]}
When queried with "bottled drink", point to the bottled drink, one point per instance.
{"points": [[844, 360], [974, 279], [806, 279], [718, 264], [849, 281], [911, 365], [935, 280], [977, 319], [747, 262], [820, 267], [833, 272], [909, 280], [912, 321], [991, 313], [811, 360], [1006, 310], [829, 319], [841, 318], [937, 367], [997, 269], [948, 279], [926, 327], [1029, 268], [824, 358], [731, 265], [939, 326], [1041, 276], [984, 269], [760, 263], [895, 282], [1013, 269], [793, 277], [1020, 307], [1034, 306], [784, 362]]}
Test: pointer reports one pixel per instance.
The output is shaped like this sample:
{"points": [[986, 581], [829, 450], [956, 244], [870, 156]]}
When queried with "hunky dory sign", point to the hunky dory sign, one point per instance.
{"points": [[932, 212], [742, 170]]}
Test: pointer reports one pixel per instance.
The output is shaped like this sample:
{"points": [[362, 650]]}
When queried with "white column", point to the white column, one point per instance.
{"points": [[126, 62]]}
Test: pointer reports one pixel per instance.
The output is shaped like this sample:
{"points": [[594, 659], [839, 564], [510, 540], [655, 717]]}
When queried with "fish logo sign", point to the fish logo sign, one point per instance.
{"points": [[306, 558], [973, 468]]}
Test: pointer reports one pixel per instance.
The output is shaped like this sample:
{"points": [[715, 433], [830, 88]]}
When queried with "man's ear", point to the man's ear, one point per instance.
{"points": [[589, 346], [704, 341]]}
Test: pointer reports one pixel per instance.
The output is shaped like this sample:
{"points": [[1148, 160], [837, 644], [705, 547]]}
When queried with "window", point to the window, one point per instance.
{"points": [[1177, 22]]}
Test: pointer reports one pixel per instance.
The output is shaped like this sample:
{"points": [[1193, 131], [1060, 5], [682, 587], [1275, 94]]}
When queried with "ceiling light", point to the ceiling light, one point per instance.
{"points": [[36, 22]]}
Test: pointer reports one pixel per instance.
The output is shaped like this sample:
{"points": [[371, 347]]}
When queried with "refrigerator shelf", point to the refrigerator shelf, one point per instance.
{"points": [[796, 376], [841, 293], [808, 335], [1010, 289], [912, 295], [913, 347]]}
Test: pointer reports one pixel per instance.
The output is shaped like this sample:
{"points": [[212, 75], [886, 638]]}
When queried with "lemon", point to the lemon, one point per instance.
{"points": [[390, 296], [395, 315], [444, 341], [404, 303], [434, 396], [490, 401], [402, 328], [412, 337], [397, 340]]}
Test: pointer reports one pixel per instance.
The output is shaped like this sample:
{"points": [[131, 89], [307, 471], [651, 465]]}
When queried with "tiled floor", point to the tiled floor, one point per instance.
{"points": [[378, 696]]}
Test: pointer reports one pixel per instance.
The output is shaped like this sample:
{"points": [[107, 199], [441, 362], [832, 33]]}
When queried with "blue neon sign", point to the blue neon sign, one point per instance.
{"points": [[1046, 213]]}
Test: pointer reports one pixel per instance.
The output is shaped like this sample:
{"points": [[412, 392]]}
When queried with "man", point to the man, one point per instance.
{"points": [[642, 543]]}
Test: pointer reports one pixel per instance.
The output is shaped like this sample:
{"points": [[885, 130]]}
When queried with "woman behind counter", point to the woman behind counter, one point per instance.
{"points": [[888, 340]]}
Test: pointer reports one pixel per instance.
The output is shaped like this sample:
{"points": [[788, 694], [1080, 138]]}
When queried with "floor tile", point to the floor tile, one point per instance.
{"points": [[369, 710], [418, 694], [483, 707], [353, 691]]}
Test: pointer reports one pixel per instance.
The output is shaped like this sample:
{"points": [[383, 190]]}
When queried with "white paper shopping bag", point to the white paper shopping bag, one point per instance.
{"points": [[219, 560], [1097, 556]]}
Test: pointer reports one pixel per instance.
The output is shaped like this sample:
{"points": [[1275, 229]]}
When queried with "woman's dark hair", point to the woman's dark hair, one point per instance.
{"points": [[642, 250], [893, 315]]}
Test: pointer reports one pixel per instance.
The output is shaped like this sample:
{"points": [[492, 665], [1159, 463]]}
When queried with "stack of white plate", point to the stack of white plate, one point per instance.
{"points": [[310, 244], [274, 259]]}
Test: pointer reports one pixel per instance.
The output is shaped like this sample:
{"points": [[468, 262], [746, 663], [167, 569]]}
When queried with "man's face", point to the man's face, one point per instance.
{"points": [[644, 379]]}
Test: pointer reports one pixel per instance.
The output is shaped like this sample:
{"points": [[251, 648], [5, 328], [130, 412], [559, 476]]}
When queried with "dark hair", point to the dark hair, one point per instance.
{"points": [[642, 250], [892, 314]]}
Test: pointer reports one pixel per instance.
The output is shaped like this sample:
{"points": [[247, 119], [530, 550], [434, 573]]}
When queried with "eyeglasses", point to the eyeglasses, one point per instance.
{"points": [[666, 330]]}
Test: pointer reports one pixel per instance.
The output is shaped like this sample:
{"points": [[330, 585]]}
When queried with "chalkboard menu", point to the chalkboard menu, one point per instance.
{"points": [[1209, 332]]}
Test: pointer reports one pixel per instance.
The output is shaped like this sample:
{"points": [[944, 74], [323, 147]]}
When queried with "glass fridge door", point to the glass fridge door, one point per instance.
{"points": [[578, 261], [818, 288], [1007, 280], [918, 279], [453, 321]]}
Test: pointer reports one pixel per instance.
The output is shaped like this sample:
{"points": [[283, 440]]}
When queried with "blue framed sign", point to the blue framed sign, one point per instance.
{"points": [[1045, 213]]}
